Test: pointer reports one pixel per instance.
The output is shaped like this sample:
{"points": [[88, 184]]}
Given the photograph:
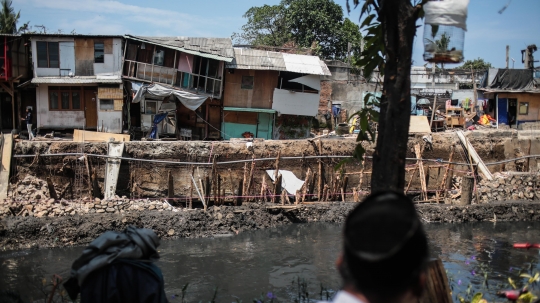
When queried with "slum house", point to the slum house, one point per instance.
{"points": [[15, 95], [271, 95], [179, 76], [513, 96], [78, 81]]}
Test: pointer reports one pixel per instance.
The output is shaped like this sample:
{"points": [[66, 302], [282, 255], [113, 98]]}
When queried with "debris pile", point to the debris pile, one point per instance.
{"points": [[507, 187], [51, 208]]}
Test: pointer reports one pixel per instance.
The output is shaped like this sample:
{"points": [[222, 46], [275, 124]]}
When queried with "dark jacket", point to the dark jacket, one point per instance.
{"points": [[28, 118], [117, 267]]}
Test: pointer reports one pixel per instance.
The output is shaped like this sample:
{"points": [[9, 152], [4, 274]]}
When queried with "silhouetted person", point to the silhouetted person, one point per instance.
{"points": [[28, 120], [385, 252], [119, 267]]}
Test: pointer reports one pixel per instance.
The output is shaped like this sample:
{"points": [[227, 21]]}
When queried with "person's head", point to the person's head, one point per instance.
{"points": [[385, 250], [28, 110]]}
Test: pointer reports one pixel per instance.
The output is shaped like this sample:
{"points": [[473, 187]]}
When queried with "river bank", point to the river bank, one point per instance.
{"points": [[223, 221]]}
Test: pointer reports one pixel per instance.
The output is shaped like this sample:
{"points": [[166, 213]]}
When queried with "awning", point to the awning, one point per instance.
{"points": [[189, 100], [76, 80], [253, 110]]}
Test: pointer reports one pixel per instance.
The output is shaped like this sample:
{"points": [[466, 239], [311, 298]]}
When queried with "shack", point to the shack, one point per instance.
{"points": [[77, 79], [271, 95]]}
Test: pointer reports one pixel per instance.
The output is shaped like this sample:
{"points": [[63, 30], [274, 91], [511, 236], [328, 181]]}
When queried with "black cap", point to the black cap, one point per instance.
{"points": [[384, 239]]}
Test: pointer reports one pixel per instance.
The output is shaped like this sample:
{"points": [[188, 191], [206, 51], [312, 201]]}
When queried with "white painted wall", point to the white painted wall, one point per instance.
{"points": [[67, 57], [112, 121], [113, 62], [55, 119], [44, 72], [295, 103]]}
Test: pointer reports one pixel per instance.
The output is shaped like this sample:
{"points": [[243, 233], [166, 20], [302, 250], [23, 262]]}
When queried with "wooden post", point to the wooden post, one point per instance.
{"points": [[450, 172], [277, 188], [89, 176], [283, 195], [305, 187], [238, 200], [297, 197], [276, 173], [263, 188], [190, 196], [312, 187], [245, 180], [207, 192], [418, 152], [52, 191], [467, 187], [202, 193], [95, 186], [250, 179], [214, 182], [171, 186], [219, 201], [319, 184], [344, 188], [356, 197]]}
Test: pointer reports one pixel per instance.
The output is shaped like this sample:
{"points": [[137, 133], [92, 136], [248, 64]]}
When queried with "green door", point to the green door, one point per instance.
{"points": [[264, 126]]}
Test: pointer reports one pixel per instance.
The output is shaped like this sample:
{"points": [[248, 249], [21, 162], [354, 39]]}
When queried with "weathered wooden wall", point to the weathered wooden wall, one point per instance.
{"points": [[260, 96]]}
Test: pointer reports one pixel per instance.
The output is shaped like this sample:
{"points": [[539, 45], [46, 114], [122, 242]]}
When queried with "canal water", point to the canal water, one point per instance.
{"points": [[283, 261]]}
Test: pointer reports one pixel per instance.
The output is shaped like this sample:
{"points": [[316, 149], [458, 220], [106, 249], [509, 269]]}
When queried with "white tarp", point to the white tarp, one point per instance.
{"points": [[447, 12], [189, 100], [295, 103], [313, 81], [288, 180]]}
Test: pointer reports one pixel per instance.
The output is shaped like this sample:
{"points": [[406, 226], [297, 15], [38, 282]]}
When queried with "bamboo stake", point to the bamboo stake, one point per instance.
{"points": [[344, 188], [220, 201], [443, 182], [286, 196], [418, 152], [283, 195], [263, 188], [412, 177], [356, 198], [305, 187], [319, 184], [361, 175], [245, 180], [202, 197], [214, 182], [170, 193], [276, 173], [250, 180], [277, 188], [238, 200], [297, 197]]}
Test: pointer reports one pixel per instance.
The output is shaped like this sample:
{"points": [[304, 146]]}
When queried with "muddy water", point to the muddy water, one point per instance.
{"points": [[270, 260]]}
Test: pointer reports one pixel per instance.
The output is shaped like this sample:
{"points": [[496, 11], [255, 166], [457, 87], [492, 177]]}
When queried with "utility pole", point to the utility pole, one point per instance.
{"points": [[434, 95], [507, 56]]}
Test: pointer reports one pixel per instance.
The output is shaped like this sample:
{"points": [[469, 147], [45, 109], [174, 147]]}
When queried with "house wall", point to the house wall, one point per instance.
{"points": [[260, 96], [295, 103], [55, 119], [113, 58], [534, 105], [42, 71]]}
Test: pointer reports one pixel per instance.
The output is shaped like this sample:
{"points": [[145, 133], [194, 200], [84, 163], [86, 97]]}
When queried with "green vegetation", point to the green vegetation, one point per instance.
{"points": [[316, 24]]}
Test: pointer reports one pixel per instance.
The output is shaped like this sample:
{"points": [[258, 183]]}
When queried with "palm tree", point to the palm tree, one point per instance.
{"points": [[8, 18]]}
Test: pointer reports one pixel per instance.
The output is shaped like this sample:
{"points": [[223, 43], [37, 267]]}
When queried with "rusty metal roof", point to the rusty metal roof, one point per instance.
{"points": [[214, 48], [76, 80], [245, 58]]}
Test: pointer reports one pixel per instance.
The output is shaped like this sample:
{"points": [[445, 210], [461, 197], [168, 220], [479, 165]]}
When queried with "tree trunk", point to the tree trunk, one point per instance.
{"points": [[399, 27]]}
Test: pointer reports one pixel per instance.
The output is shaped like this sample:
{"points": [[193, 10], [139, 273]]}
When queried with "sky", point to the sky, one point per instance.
{"points": [[488, 31]]}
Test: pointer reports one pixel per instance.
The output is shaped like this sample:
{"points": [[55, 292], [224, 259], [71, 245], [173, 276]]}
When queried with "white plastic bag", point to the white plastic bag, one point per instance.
{"points": [[447, 12]]}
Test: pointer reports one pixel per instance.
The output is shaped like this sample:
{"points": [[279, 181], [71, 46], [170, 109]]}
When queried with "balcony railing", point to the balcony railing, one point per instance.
{"points": [[149, 72]]}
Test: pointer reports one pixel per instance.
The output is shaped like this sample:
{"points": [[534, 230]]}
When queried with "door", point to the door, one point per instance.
{"points": [[264, 126], [90, 107], [502, 111], [67, 58]]}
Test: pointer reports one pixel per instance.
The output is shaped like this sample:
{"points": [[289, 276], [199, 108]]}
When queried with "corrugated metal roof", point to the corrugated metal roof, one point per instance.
{"points": [[73, 35], [214, 48], [76, 80], [305, 64], [245, 58], [245, 109]]}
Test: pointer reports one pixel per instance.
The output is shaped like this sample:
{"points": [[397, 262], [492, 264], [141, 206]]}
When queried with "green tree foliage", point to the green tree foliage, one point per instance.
{"points": [[8, 18], [266, 25], [476, 64], [303, 22]]}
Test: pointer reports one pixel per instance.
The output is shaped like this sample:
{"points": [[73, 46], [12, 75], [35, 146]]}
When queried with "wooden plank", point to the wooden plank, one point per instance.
{"points": [[418, 151], [89, 136], [110, 93], [6, 145], [419, 125]]}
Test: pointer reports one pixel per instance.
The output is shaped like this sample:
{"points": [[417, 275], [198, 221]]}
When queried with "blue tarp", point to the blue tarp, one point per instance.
{"points": [[157, 119]]}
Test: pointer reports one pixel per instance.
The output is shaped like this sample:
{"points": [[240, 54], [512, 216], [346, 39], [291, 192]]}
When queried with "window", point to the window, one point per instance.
{"points": [[48, 54], [523, 108], [99, 52], [247, 82], [106, 104], [65, 98], [151, 107], [159, 57]]}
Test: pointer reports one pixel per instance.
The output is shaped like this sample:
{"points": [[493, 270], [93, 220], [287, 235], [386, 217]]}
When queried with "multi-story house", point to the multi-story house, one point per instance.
{"points": [[78, 79], [194, 66]]}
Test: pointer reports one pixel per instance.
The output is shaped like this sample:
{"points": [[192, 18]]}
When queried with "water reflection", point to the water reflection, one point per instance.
{"points": [[270, 260]]}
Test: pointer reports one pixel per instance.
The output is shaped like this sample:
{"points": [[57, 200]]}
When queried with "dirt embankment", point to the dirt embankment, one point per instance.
{"points": [[33, 232]]}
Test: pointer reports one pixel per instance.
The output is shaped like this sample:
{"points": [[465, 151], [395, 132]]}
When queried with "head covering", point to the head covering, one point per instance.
{"points": [[383, 237]]}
